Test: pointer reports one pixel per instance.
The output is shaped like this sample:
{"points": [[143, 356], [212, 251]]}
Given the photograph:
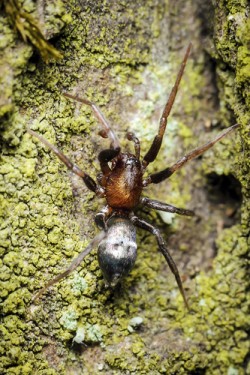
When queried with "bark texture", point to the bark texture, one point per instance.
{"points": [[124, 56]]}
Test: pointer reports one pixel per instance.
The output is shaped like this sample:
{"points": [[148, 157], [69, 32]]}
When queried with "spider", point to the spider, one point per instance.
{"points": [[121, 183]]}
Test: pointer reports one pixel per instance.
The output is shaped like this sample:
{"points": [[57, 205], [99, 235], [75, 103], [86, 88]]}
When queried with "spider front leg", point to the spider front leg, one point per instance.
{"points": [[76, 262], [156, 145], [155, 178], [105, 157], [162, 246], [107, 131], [133, 138]]}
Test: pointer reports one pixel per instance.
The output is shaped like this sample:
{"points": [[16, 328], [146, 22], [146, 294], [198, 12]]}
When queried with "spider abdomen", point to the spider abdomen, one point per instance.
{"points": [[124, 183], [117, 251]]}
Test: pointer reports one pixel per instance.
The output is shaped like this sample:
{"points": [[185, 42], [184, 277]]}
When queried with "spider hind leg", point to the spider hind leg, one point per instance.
{"points": [[162, 246]]}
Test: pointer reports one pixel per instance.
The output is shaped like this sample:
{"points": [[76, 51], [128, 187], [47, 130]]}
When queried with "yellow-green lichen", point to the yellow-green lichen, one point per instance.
{"points": [[15, 53], [108, 59]]}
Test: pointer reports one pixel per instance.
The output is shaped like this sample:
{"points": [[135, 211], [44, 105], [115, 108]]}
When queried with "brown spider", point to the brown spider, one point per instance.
{"points": [[121, 183]]}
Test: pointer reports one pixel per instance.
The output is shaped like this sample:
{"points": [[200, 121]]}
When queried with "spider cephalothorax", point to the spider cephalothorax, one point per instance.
{"points": [[121, 183]]}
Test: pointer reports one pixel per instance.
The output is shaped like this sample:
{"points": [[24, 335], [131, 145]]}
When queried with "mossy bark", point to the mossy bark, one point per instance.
{"points": [[124, 56]]}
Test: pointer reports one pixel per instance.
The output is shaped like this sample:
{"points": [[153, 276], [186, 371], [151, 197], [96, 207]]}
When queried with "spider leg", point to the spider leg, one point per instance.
{"points": [[72, 266], [101, 217], [152, 203], [105, 157], [156, 145], [162, 246], [132, 137], [107, 131], [89, 182], [166, 173]]}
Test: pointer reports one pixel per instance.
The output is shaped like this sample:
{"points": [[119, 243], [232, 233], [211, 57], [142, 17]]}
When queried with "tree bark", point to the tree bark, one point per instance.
{"points": [[124, 57]]}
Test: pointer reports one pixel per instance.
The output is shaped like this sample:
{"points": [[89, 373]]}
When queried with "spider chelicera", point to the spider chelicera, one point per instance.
{"points": [[121, 183]]}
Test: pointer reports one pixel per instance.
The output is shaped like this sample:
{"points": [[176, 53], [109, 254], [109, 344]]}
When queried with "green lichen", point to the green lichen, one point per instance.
{"points": [[15, 53], [214, 321], [235, 82], [107, 57]]}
